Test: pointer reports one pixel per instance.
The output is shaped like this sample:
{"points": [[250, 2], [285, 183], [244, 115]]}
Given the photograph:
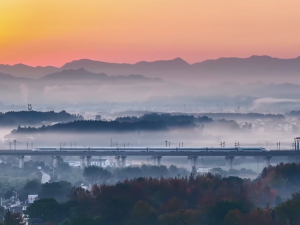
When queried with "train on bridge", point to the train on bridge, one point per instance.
{"points": [[150, 149]]}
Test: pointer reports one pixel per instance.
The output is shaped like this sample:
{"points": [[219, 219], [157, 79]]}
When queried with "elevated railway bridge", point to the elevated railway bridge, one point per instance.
{"points": [[156, 154]]}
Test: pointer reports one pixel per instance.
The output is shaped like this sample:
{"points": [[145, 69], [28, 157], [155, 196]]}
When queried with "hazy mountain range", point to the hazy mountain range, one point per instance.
{"points": [[78, 74], [254, 68]]}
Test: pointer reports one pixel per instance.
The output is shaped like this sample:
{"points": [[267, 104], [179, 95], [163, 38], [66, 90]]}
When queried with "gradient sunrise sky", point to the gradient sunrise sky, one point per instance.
{"points": [[52, 32]]}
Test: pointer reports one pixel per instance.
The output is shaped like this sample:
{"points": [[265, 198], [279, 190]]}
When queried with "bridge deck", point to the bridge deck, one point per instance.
{"points": [[129, 152]]}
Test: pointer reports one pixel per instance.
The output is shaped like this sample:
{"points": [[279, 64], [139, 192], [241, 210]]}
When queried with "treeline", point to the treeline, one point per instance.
{"points": [[294, 113], [23, 118], [167, 201], [243, 116], [98, 175], [12, 179], [168, 119], [181, 200], [191, 200], [148, 122], [284, 177]]}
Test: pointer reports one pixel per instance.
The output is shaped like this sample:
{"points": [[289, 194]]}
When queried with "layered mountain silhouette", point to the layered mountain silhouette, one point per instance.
{"points": [[8, 77], [77, 75], [263, 67], [82, 74]]}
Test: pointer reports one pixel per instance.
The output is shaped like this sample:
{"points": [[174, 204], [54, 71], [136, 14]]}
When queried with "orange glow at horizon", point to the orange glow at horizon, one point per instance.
{"points": [[53, 32]]}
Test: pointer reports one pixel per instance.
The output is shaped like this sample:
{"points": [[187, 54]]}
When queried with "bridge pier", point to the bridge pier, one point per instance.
{"points": [[82, 164], [118, 161], [158, 160], [88, 160], [189, 161], [193, 160], [55, 161], [153, 160], [21, 161], [123, 161], [229, 159], [268, 158]]}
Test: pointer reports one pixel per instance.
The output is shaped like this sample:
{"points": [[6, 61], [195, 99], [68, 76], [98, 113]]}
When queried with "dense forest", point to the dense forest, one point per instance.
{"points": [[23, 118], [182, 200], [148, 122]]}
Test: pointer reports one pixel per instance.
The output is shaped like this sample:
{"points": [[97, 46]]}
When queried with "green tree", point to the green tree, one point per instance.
{"points": [[80, 219], [47, 209], [217, 213], [30, 188], [118, 209], [232, 217], [289, 211], [57, 190], [95, 174], [180, 217], [13, 218], [143, 214]]}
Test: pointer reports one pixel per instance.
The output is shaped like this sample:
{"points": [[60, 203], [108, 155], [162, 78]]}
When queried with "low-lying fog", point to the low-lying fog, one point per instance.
{"points": [[187, 138]]}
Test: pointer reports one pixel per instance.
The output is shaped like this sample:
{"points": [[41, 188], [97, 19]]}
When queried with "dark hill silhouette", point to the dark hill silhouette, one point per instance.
{"points": [[8, 77], [75, 74], [35, 117], [148, 122], [82, 74]]}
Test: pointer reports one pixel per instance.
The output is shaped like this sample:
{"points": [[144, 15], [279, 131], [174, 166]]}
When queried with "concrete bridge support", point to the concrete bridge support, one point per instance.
{"points": [[118, 163], [229, 160], [21, 161], [55, 161], [268, 158], [257, 161], [123, 161], [193, 161], [153, 160], [189, 160], [158, 160], [88, 160], [82, 164]]}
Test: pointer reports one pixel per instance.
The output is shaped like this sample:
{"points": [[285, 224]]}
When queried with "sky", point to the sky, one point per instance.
{"points": [[53, 32]]}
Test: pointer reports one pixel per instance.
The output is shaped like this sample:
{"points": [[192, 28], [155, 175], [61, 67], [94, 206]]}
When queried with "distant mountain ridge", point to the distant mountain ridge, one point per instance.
{"points": [[264, 67], [83, 74], [79, 74], [8, 77]]}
